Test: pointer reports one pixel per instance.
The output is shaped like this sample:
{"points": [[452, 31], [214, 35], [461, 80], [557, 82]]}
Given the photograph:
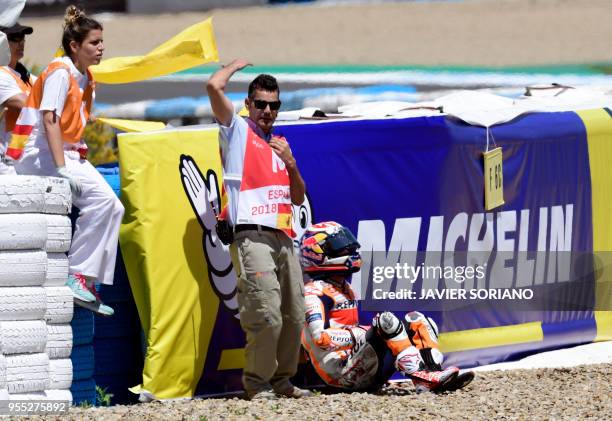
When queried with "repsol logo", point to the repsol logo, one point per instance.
{"points": [[345, 304]]}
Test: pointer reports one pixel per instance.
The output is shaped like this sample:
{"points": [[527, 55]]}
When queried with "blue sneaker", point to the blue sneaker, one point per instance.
{"points": [[99, 307], [105, 310], [77, 284]]}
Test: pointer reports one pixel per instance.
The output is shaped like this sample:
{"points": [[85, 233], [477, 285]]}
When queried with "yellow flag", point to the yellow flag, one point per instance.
{"points": [[132, 125], [194, 46]]}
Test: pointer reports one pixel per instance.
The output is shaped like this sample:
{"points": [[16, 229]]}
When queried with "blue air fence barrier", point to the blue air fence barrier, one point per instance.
{"points": [[83, 392], [417, 184], [82, 362], [82, 326], [122, 330], [412, 183]]}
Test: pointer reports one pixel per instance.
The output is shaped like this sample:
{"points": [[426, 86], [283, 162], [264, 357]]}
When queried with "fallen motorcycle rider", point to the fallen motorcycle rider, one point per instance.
{"points": [[355, 357]]}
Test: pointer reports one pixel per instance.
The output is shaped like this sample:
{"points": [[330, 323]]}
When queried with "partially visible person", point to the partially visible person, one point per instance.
{"points": [[15, 85], [262, 180], [356, 357], [5, 52], [47, 140]]}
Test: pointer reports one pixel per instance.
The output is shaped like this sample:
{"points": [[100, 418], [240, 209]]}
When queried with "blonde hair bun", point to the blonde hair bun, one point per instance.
{"points": [[72, 16]]}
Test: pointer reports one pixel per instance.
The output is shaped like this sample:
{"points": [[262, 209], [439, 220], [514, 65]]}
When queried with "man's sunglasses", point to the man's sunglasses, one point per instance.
{"points": [[15, 38], [260, 104]]}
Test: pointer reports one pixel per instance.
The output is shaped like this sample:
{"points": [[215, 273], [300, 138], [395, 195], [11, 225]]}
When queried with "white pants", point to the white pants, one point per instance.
{"points": [[94, 244], [6, 169]]}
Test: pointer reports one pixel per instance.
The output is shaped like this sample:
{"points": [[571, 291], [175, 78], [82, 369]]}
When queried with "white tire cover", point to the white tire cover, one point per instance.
{"points": [[4, 398], [27, 373], [58, 198], [59, 395], [59, 233], [2, 372], [60, 305], [22, 268], [32, 396], [60, 374], [23, 337], [27, 303], [57, 270], [22, 194], [59, 341], [22, 231]]}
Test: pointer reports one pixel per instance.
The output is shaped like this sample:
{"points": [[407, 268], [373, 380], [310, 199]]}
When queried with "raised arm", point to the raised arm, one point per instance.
{"points": [[222, 107]]}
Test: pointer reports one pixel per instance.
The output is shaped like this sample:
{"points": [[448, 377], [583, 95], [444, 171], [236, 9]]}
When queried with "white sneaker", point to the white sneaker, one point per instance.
{"points": [[296, 393], [263, 395]]}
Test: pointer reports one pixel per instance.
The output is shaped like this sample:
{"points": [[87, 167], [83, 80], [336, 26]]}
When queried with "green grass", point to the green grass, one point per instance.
{"points": [[581, 69], [103, 396]]}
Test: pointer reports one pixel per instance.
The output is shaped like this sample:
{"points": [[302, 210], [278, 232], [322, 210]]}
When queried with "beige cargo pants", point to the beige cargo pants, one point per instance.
{"points": [[271, 306]]}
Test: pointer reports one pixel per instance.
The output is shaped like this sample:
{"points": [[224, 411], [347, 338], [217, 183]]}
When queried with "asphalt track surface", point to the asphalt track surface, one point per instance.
{"points": [[132, 92]]}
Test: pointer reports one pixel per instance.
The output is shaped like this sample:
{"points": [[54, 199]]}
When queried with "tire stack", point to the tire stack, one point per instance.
{"points": [[35, 306], [119, 335]]}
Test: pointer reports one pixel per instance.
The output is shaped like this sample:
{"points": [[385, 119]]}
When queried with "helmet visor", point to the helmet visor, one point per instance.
{"points": [[341, 243]]}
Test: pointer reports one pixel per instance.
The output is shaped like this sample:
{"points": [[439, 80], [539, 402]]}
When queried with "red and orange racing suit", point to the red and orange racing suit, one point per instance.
{"points": [[346, 354]]}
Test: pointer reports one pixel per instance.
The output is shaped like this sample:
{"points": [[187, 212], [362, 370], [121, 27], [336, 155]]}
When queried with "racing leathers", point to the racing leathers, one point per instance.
{"points": [[351, 356]]}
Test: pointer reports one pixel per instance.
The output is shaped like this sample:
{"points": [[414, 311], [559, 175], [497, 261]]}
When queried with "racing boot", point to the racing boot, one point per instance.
{"points": [[464, 377], [433, 381], [410, 364], [432, 359]]}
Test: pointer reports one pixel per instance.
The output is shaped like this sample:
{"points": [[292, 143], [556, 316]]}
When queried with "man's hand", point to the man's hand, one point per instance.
{"points": [[237, 65], [222, 107], [75, 184], [281, 147], [296, 184]]}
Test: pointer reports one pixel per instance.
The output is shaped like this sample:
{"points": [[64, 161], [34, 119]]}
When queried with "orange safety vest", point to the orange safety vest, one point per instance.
{"points": [[12, 114], [75, 114], [265, 194]]}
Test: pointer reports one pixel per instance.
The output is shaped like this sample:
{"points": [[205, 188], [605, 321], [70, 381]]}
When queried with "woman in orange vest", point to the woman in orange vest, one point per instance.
{"points": [[15, 85], [47, 140]]}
